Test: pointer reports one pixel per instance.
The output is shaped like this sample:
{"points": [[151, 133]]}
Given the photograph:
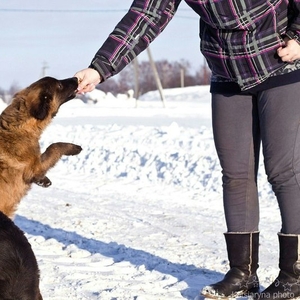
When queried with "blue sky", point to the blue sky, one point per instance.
{"points": [[64, 36]]}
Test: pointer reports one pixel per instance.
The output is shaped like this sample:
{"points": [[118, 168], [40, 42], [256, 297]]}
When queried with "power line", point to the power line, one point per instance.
{"points": [[34, 10]]}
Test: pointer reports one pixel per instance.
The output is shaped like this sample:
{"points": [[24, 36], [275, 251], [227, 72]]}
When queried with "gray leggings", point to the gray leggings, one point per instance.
{"points": [[240, 124]]}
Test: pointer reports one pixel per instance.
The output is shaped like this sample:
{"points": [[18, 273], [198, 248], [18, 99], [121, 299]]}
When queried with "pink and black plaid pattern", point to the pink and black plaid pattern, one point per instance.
{"points": [[239, 39]]}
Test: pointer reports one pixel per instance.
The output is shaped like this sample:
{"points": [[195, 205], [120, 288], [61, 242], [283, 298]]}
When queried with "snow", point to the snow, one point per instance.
{"points": [[138, 213]]}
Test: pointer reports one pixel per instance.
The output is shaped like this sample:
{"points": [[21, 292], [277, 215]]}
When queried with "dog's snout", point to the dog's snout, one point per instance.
{"points": [[69, 90], [73, 81]]}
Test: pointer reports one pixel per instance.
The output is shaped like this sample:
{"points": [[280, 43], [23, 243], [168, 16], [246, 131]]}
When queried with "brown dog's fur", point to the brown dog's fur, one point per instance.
{"points": [[19, 272], [21, 126]]}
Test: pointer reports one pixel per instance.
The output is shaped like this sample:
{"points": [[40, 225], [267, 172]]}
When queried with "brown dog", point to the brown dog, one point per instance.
{"points": [[21, 126], [19, 272]]}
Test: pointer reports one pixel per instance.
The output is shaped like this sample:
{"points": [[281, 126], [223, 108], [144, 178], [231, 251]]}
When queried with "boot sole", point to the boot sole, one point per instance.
{"points": [[237, 297], [241, 295]]}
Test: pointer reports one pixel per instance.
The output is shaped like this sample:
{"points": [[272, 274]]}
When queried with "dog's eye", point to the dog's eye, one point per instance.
{"points": [[60, 86]]}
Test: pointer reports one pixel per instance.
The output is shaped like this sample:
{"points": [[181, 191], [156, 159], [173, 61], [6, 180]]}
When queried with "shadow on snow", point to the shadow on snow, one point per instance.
{"points": [[194, 277]]}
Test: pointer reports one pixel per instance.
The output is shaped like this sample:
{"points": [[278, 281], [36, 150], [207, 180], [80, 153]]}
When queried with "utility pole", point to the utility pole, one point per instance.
{"points": [[155, 73], [44, 67], [136, 80], [182, 73]]}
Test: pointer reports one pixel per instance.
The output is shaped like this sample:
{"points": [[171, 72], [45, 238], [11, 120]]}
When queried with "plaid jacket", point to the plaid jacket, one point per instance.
{"points": [[239, 38]]}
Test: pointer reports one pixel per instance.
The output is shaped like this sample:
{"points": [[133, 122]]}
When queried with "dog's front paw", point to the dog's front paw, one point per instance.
{"points": [[44, 182], [73, 149], [59, 149]]}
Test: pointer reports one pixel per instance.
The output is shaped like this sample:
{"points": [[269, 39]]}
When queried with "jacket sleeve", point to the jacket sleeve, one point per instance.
{"points": [[295, 16], [144, 21]]}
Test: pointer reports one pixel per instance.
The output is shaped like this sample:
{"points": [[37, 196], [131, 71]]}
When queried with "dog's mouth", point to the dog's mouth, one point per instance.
{"points": [[72, 95], [70, 87]]}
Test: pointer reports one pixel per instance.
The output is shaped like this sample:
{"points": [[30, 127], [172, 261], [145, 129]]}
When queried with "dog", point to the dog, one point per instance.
{"points": [[19, 272], [21, 126]]}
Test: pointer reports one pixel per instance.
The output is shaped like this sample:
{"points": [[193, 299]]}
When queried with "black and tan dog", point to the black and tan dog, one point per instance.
{"points": [[21, 126], [19, 272]]}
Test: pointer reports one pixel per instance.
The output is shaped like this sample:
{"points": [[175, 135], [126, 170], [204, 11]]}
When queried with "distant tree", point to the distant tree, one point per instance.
{"points": [[204, 75], [171, 74], [126, 78], [14, 88], [2, 93], [110, 85], [121, 83], [6, 95]]}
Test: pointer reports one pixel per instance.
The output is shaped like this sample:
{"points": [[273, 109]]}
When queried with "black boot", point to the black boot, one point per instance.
{"points": [[287, 284], [241, 279]]}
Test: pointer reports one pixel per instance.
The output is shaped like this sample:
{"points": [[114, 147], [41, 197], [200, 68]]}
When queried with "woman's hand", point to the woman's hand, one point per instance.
{"points": [[289, 52], [87, 80]]}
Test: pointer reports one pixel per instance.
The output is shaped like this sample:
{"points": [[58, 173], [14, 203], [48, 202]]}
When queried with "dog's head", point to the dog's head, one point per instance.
{"points": [[37, 104], [45, 96]]}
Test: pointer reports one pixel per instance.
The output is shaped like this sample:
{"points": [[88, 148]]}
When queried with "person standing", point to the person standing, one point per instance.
{"points": [[252, 48]]}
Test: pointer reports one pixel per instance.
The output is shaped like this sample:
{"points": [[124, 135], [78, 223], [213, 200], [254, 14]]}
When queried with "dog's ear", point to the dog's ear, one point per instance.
{"points": [[40, 108]]}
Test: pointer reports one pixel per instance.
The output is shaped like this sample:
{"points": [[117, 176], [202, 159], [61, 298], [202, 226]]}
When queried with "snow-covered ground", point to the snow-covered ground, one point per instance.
{"points": [[138, 213]]}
